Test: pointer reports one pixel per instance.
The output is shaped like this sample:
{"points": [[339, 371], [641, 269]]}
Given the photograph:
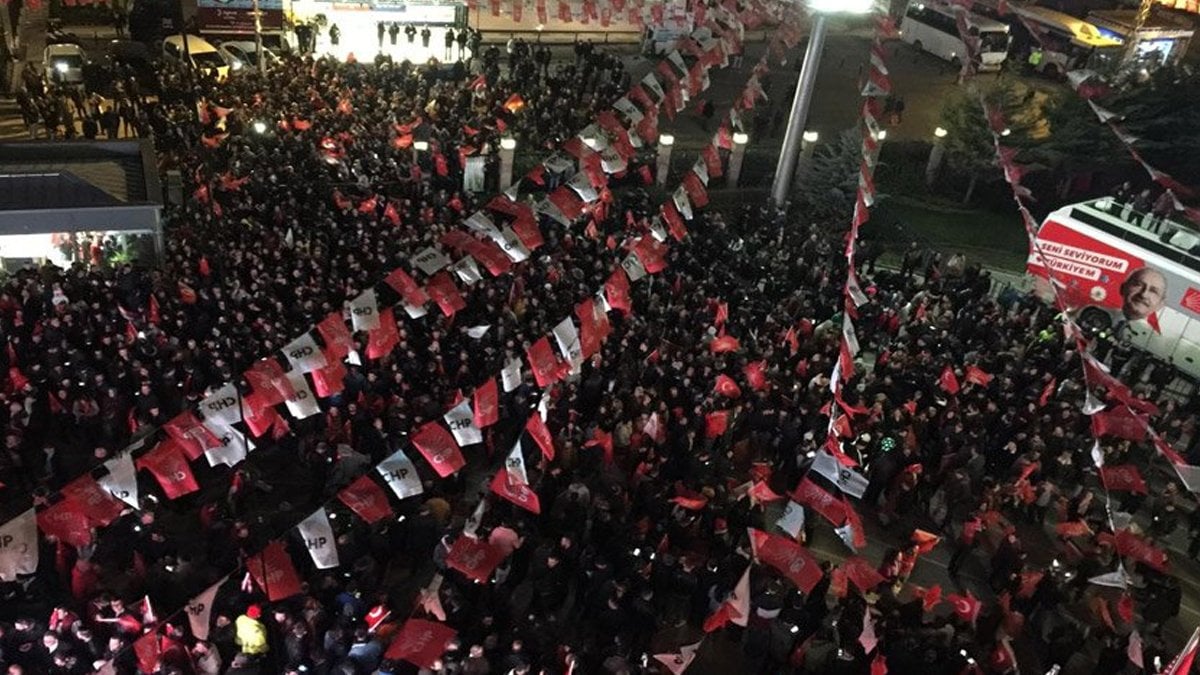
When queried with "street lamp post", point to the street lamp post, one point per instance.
{"points": [[665, 143], [258, 46], [785, 170], [807, 146], [936, 154], [508, 146], [735, 158]]}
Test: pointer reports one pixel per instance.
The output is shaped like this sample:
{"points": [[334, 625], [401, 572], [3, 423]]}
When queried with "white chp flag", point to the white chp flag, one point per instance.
{"points": [[430, 260], [1190, 475], [467, 270], [633, 267], [652, 84], [510, 375], [677, 663], [1098, 455], [319, 540], [582, 185], [19, 546], [121, 479], [855, 289], [515, 463], [1117, 579], [657, 230], [399, 472], [847, 480], [302, 404], [461, 421], [1134, 650], [304, 354], [849, 335], [846, 533], [567, 337], [472, 525], [479, 222], [199, 610], [364, 311], [477, 332], [414, 311], [682, 203], [511, 244], [739, 599], [792, 520], [222, 406], [700, 168], [234, 447], [629, 110], [1092, 405]]}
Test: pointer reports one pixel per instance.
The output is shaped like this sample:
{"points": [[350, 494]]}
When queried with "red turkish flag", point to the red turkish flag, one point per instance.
{"points": [[931, 597], [1132, 546], [755, 373], [978, 376], [727, 387], [689, 499], [487, 404], [616, 292], [947, 381], [193, 437], [527, 231], [269, 381], [337, 337], [439, 448], [862, 574], [1123, 478], [420, 642], [66, 522], [94, 502], [589, 329], [674, 220], [761, 493], [695, 190], [384, 338], [1073, 528], [1047, 392], [724, 343], [1125, 607], [391, 213], [1120, 422], [1029, 583], [367, 499], [475, 558], [812, 495], [545, 366], [274, 573], [443, 291], [515, 491], [568, 202], [331, 378], [603, 440], [966, 607], [652, 254], [715, 423], [879, 664], [258, 415], [1182, 665], [537, 430], [925, 541], [407, 287], [788, 557], [169, 466], [712, 160]]}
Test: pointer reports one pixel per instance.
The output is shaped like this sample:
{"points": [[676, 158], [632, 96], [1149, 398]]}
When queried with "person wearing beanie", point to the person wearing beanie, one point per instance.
{"points": [[251, 634]]}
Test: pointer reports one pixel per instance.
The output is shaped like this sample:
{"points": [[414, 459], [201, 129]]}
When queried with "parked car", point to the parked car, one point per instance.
{"points": [[204, 57], [64, 64], [244, 54]]}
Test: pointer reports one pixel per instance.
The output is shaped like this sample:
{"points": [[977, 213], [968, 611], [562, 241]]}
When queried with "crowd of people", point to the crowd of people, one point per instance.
{"points": [[642, 529]]}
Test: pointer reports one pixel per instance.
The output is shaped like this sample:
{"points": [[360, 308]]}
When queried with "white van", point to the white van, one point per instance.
{"points": [[204, 56]]}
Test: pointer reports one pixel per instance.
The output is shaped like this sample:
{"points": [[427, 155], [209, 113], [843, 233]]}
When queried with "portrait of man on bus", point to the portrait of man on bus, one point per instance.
{"points": [[1143, 293]]}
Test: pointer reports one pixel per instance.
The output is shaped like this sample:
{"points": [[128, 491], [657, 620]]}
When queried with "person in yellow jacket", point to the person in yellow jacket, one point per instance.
{"points": [[251, 635]]}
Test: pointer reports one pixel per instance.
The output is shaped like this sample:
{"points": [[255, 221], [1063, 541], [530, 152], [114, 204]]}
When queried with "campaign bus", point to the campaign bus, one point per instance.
{"points": [[934, 29], [1134, 274]]}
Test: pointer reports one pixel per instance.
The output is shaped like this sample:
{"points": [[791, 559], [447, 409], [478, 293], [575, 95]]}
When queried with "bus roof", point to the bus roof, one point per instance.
{"points": [[1174, 242], [1083, 32], [980, 22]]}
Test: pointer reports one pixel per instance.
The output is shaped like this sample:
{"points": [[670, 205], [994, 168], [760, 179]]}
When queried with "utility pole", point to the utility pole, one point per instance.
{"points": [[258, 47], [1139, 21]]}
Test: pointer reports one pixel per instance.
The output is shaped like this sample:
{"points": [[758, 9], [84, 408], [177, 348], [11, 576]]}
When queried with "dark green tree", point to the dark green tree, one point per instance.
{"points": [[969, 142], [1075, 143], [1162, 109], [829, 180]]}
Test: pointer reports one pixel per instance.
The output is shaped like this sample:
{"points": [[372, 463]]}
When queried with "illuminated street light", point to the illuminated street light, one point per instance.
{"points": [[811, 137], [420, 146], [260, 127], [940, 132], [789, 155], [740, 139], [666, 139], [508, 143]]}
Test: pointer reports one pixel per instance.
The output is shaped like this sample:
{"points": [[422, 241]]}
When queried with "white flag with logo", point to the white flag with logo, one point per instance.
{"points": [[1116, 579], [364, 311], [199, 610], [234, 447], [792, 520], [414, 311], [472, 525], [511, 244], [582, 185], [682, 203], [848, 481], [19, 546], [319, 540], [567, 337], [1190, 475], [467, 270], [399, 472], [461, 421], [655, 88], [477, 332], [634, 269], [304, 354], [511, 375], [629, 110], [302, 404], [222, 406], [515, 463], [849, 335], [657, 230], [430, 260], [121, 479], [479, 222]]}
